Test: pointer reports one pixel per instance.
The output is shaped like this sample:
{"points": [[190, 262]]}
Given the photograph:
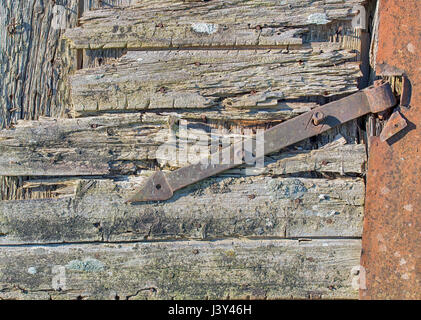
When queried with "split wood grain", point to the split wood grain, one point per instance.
{"points": [[176, 24], [128, 143], [234, 79], [86, 210], [34, 61]]}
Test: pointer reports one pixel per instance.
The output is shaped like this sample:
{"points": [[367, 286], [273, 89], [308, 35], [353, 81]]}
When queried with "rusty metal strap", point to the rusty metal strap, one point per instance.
{"points": [[161, 186]]}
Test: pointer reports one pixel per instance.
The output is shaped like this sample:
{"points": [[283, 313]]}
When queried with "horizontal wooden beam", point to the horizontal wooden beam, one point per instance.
{"points": [[227, 80], [176, 24], [230, 269], [127, 143], [83, 210]]}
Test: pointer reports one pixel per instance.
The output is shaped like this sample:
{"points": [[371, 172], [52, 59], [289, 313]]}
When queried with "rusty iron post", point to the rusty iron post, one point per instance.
{"points": [[391, 236]]}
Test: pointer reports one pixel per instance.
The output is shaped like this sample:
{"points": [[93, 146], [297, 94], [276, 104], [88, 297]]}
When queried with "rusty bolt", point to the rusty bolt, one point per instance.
{"points": [[318, 118]]}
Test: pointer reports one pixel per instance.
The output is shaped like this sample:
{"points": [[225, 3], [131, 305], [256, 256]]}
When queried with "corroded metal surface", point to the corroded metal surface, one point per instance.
{"points": [[391, 236]]}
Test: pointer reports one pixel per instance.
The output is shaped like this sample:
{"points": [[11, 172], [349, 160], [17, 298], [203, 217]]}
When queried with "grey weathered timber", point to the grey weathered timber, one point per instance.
{"points": [[346, 159], [127, 143], [228, 269], [175, 24], [34, 60], [289, 230], [234, 79], [80, 210]]}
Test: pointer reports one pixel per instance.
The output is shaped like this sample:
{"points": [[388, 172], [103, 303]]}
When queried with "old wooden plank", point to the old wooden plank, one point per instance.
{"points": [[127, 143], [344, 159], [175, 24], [234, 79], [81, 210], [230, 269], [34, 61], [100, 4]]}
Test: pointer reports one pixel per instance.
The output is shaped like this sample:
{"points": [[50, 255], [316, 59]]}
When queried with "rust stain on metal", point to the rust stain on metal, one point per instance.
{"points": [[391, 237], [378, 98]]}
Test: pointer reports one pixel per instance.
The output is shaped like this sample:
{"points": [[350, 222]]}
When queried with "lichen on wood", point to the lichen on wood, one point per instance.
{"points": [[260, 63], [221, 207], [229, 269]]}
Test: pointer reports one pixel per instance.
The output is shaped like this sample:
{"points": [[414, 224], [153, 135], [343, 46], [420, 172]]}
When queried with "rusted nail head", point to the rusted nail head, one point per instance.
{"points": [[318, 117]]}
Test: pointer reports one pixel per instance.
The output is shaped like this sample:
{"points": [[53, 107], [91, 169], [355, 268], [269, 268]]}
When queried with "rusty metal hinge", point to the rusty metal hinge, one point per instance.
{"points": [[161, 186]]}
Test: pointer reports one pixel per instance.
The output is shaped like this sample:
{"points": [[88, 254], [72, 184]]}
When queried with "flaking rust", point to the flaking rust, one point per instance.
{"points": [[391, 247]]}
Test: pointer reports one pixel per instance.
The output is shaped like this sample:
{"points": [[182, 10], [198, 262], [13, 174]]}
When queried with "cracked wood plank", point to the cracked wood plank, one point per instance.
{"points": [[34, 60], [221, 207], [176, 24], [128, 143], [228, 80], [229, 269]]}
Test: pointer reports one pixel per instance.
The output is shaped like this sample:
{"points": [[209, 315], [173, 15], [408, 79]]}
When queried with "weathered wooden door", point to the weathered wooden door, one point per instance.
{"points": [[116, 86]]}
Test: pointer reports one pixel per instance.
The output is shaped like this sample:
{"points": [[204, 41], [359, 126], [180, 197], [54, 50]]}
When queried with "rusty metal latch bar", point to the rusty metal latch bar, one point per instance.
{"points": [[161, 186]]}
